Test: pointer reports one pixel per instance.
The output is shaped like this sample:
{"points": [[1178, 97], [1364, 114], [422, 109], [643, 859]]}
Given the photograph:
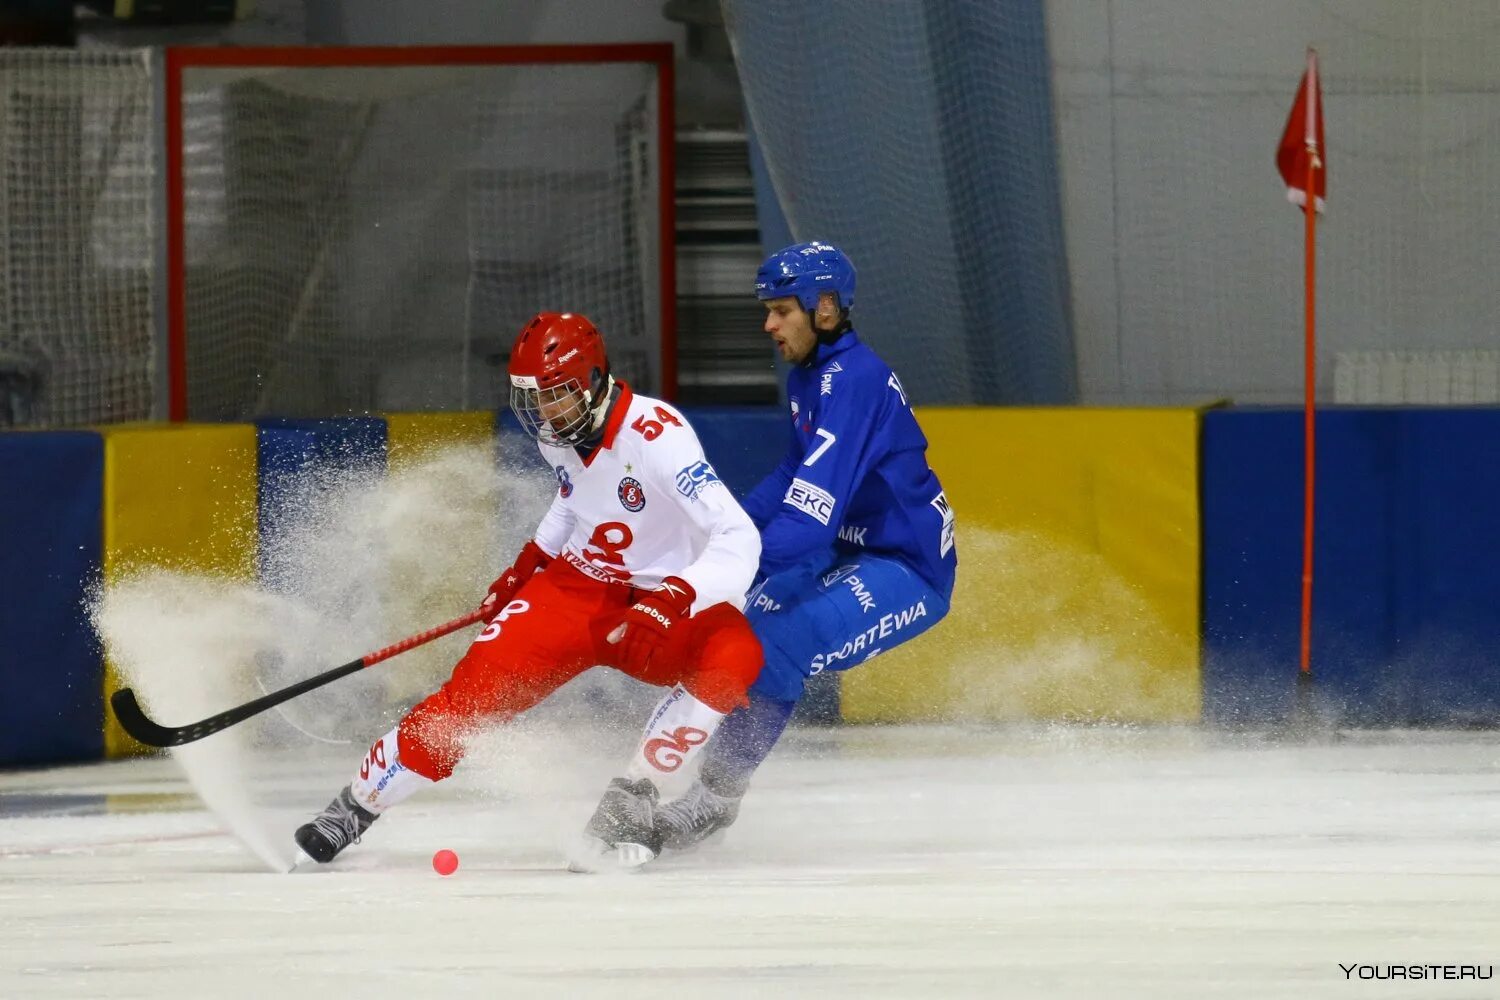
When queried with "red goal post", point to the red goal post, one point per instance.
{"points": [[360, 229]]}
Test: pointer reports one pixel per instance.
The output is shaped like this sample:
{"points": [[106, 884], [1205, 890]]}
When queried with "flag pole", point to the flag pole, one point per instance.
{"points": [[1310, 210]]}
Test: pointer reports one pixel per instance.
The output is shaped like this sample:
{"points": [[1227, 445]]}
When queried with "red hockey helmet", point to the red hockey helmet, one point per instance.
{"points": [[559, 378]]}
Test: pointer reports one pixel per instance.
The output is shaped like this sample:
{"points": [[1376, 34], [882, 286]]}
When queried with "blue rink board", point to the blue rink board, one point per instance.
{"points": [[297, 458], [51, 666], [1406, 564]]}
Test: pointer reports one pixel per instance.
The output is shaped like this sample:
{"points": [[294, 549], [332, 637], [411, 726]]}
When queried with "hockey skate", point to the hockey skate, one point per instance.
{"points": [[342, 823], [689, 821], [622, 834]]}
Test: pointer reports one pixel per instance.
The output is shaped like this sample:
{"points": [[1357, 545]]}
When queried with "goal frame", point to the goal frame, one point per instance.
{"points": [[179, 59]]}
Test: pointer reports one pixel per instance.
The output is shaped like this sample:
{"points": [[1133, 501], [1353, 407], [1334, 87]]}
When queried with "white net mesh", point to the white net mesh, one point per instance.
{"points": [[917, 137], [1185, 258], [77, 273], [363, 238]]}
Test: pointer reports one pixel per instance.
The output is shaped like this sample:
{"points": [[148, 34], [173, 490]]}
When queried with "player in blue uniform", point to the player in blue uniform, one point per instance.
{"points": [[857, 550]]}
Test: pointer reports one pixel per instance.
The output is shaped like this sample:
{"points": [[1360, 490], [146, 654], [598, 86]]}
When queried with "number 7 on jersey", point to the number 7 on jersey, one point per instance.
{"points": [[817, 452]]}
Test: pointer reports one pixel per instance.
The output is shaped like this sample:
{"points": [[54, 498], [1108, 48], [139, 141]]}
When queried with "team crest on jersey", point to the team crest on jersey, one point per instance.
{"points": [[564, 484], [797, 420], [632, 497]]}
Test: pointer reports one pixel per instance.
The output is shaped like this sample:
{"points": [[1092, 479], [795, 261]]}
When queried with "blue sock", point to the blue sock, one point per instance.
{"points": [[742, 742]]}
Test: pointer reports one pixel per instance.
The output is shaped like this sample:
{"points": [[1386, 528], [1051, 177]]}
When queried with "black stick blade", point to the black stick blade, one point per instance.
{"points": [[134, 721]]}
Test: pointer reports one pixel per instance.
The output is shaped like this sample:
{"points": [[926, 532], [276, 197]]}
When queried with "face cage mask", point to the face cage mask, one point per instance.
{"points": [[578, 414]]}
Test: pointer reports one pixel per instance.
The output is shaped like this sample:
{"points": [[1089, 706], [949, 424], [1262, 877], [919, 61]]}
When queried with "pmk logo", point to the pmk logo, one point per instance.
{"points": [[759, 599], [855, 536], [632, 497], [765, 602], [855, 584], [667, 751], [834, 576], [825, 387]]}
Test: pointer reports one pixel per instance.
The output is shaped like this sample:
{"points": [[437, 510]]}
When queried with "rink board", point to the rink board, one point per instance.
{"points": [[1406, 564], [1078, 587], [411, 437], [292, 455], [51, 486], [298, 461], [1078, 540], [743, 443], [180, 497]]}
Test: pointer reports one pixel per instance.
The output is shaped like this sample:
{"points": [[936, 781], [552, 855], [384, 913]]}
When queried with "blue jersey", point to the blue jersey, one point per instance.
{"points": [[855, 478]]}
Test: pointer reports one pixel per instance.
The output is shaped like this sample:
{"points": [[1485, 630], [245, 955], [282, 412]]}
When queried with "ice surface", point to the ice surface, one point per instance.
{"points": [[1025, 861]]}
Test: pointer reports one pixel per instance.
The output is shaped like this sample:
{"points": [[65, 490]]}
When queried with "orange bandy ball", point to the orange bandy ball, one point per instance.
{"points": [[445, 862]]}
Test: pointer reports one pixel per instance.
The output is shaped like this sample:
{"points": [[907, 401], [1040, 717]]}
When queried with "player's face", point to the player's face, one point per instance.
{"points": [[791, 328], [562, 408]]}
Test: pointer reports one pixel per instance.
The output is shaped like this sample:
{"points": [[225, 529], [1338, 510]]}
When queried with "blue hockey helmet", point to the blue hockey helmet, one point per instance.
{"points": [[806, 270]]}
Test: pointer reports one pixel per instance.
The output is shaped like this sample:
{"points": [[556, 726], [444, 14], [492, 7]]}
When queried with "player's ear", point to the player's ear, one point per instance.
{"points": [[828, 307]]}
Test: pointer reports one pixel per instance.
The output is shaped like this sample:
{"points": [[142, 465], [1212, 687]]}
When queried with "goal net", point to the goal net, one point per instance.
{"points": [[77, 237], [366, 229]]}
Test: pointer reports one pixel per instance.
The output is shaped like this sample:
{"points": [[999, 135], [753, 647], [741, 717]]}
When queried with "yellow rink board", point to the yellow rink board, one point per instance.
{"points": [[434, 460], [1078, 572], [412, 436], [179, 496]]}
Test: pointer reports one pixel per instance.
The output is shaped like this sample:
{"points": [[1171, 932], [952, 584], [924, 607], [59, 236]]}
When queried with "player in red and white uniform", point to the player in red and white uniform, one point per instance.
{"points": [[641, 563]]}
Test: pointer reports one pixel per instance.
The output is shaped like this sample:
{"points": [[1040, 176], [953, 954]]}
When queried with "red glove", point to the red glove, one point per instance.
{"points": [[529, 561], [651, 620]]}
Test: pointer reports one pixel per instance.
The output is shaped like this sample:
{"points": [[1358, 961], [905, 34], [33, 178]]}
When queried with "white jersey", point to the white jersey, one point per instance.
{"points": [[647, 505]]}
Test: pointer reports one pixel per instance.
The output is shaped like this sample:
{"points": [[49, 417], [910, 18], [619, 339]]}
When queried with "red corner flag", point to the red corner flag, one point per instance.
{"points": [[1300, 158], [1302, 153]]}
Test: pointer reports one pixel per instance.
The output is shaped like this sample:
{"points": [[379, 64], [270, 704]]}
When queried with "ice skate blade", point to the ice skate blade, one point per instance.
{"points": [[592, 856]]}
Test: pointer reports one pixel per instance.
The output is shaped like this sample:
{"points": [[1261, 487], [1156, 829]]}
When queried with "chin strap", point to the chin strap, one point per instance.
{"points": [[827, 338], [601, 414]]}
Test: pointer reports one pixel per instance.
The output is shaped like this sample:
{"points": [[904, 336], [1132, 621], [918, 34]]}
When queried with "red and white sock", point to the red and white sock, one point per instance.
{"points": [[679, 727], [382, 780]]}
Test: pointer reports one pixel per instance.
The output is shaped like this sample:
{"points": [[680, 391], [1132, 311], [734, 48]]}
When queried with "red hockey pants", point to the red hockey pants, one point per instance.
{"points": [[551, 631]]}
